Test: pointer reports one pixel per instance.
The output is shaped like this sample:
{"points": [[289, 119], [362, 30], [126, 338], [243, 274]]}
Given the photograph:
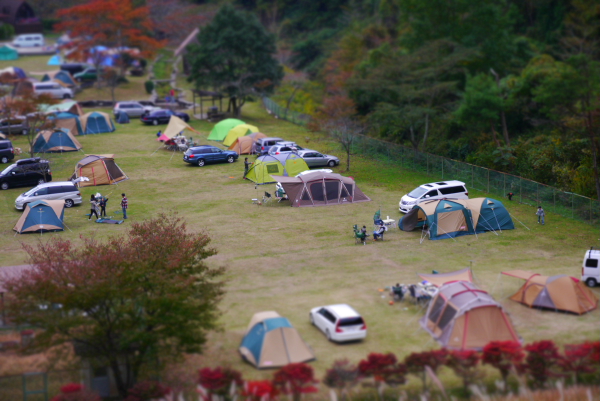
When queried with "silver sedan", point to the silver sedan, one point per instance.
{"points": [[316, 159]]}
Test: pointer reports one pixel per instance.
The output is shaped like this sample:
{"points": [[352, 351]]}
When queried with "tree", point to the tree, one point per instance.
{"points": [[581, 359], [125, 302], [341, 377], [295, 379], [504, 356], [235, 55], [218, 382], [542, 361], [113, 23], [417, 362]]}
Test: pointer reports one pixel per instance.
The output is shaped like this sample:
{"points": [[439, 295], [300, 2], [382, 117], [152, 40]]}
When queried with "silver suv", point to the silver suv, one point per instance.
{"points": [[132, 109], [58, 190]]}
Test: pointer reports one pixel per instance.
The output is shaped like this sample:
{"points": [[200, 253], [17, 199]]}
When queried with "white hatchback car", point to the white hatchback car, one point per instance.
{"points": [[339, 322]]}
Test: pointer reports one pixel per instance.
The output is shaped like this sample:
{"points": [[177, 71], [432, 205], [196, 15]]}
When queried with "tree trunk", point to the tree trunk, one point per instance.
{"points": [[494, 134], [504, 128], [426, 132], [120, 383], [348, 148], [413, 140]]}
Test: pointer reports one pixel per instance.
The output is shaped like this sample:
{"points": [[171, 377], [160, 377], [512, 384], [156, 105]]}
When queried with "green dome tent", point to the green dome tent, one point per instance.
{"points": [[450, 218], [59, 140], [42, 216], [8, 53], [237, 132], [288, 165], [222, 128]]}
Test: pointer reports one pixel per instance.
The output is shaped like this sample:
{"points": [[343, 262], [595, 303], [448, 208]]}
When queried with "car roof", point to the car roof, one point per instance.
{"points": [[270, 138], [442, 184], [56, 183], [342, 310]]}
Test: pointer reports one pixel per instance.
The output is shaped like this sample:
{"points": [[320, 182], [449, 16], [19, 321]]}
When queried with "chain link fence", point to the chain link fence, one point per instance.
{"points": [[495, 183], [38, 386]]}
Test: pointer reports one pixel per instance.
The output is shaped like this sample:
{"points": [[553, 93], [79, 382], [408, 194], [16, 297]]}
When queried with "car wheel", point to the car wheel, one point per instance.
{"points": [[200, 162], [69, 203], [155, 122], [4, 159], [331, 163], [4, 185], [312, 319], [230, 159], [24, 206], [328, 335], [186, 119], [41, 181], [66, 96], [591, 282]]}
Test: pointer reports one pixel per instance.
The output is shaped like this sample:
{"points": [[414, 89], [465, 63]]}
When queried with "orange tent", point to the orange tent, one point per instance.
{"points": [[560, 292]]}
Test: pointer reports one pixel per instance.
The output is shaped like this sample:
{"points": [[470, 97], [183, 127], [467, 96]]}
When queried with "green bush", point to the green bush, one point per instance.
{"points": [[149, 85], [48, 24], [7, 31]]}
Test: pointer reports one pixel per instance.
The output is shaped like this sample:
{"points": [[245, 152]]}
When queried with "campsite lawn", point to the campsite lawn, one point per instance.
{"points": [[292, 259]]}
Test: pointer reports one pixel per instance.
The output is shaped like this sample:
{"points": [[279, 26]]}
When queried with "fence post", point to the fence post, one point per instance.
{"points": [[572, 205], [520, 190]]}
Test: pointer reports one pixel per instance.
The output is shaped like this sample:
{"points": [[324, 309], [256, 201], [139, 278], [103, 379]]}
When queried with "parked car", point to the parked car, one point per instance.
{"points": [[201, 155], [7, 151], [26, 172], [14, 125], [263, 145], [53, 89], [162, 117], [132, 109], [73, 68], [316, 159], [29, 40], [284, 147], [60, 190], [89, 74], [590, 271], [339, 322], [433, 191]]}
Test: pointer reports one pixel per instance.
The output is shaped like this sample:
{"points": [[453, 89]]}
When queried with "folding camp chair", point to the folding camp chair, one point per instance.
{"points": [[359, 236], [280, 195], [377, 218], [266, 198]]}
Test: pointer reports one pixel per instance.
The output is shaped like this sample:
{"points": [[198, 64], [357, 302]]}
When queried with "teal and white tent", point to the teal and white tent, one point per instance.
{"points": [[96, 122], [272, 342]]}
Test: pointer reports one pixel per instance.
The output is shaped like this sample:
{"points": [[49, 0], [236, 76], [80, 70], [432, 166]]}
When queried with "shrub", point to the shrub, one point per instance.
{"points": [[417, 361], [259, 390], [7, 31], [341, 377], [384, 369], [541, 362], [218, 382], [149, 85], [147, 391], [464, 364], [581, 360], [504, 356], [295, 379], [75, 392]]}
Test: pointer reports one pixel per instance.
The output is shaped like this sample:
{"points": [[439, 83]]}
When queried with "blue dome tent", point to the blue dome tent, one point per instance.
{"points": [[42, 216], [97, 122]]}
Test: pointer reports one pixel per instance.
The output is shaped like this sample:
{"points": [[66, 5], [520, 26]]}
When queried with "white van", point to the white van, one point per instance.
{"points": [[29, 40], [57, 190], [590, 271], [53, 89], [433, 191]]}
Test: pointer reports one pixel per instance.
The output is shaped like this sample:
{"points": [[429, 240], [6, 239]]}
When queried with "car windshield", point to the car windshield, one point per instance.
{"points": [[31, 191], [8, 169], [417, 193]]}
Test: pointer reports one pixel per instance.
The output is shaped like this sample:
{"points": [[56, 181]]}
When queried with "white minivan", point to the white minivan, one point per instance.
{"points": [[56, 190], [53, 89], [590, 271], [433, 191], [29, 40]]}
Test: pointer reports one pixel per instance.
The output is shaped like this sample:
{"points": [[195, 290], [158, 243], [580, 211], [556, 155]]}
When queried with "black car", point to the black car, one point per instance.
{"points": [[162, 117], [26, 173], [200, 155], [7, 152], [73, 68]]}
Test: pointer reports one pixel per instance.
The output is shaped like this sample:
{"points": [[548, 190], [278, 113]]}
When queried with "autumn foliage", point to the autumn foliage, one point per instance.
{"points": [[504, 356], [542, 361], [218, 381], [75, 392], [295, 379]]}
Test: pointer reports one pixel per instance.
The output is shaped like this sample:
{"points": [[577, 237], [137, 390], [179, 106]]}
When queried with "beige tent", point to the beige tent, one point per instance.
{"points": [[461, 316], [560, 292], [243, 145], [443, 278], [99, 170], [271, 342], [176, 125]]}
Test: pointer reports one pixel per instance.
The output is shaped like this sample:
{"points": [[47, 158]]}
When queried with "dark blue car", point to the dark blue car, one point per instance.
{"points": [[163, 117], [200, 155]]}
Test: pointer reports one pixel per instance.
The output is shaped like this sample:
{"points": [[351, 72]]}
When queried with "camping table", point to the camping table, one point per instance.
{"points": [[388, 221]]}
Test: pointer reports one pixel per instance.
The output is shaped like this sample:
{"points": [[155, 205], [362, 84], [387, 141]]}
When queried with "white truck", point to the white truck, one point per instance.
{"points": [[590, 271]]}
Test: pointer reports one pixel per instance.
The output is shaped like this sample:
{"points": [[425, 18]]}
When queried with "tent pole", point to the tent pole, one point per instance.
{"points": [[497, 222]]}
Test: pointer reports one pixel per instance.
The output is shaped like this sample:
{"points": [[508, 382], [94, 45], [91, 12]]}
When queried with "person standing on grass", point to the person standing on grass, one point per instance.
{"points": [[247, 165], [541, 215], [93, 207], [103, 202], [124, 205]]}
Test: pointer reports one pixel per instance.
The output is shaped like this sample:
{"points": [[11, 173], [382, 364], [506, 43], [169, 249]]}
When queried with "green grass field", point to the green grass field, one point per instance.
{"points": [[292, 259]]}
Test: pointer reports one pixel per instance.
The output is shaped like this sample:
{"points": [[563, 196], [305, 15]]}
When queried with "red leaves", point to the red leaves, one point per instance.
{"points": [[75, 392], [541, 362], [503, 355], [147, 390], [464, 364], [295, 379], [581, 359], [416, 362], [259, 390], [383, 368], [218, 381]]}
